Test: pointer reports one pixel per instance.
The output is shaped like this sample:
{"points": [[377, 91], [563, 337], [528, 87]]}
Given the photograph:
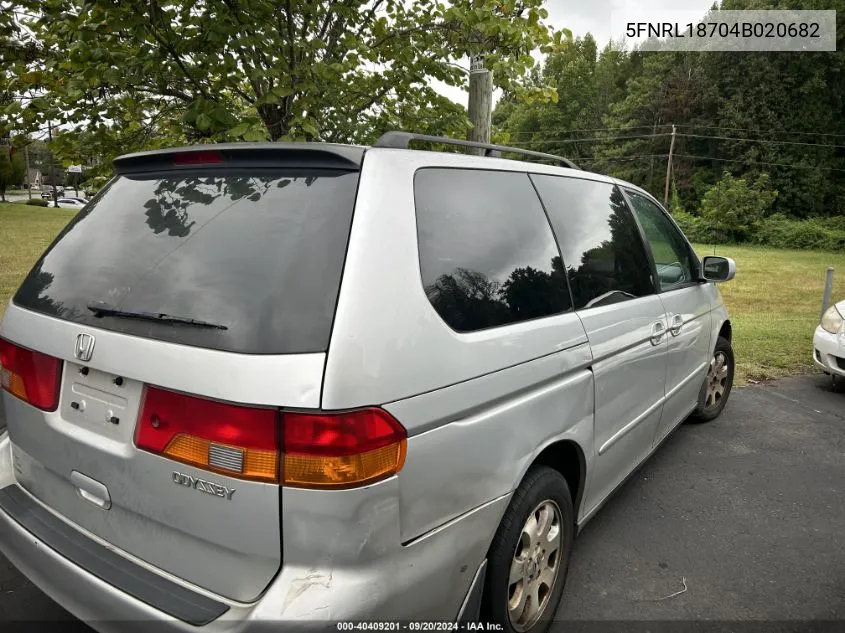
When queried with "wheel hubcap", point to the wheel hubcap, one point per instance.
{"points": [[717, 380], [534, 568]]}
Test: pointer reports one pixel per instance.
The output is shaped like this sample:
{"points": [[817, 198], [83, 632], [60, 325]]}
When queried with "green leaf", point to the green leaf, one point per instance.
{"points": [[255, 135], [281, 92], [240, 129], [311, 129], [203, 122]]}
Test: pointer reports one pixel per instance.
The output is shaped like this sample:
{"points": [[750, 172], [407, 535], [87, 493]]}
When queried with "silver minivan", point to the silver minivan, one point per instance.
{"points": [[264, 383]]}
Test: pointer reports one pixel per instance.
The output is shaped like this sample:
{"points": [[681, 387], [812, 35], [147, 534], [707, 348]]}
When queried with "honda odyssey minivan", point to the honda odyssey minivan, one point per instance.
{"points": [[264, 383]]}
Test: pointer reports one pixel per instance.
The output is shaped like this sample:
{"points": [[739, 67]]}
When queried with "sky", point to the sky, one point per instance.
{"points": [[593, 16]]}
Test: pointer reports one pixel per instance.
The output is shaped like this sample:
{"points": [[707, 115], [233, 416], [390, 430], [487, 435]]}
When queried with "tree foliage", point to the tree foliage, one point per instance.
{"points": [[779, 114], [12, 170], [136, 73], [734, 208]]}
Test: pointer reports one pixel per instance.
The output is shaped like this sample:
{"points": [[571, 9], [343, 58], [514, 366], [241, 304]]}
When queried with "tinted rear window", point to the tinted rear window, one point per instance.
{"points": [[260, 252]]}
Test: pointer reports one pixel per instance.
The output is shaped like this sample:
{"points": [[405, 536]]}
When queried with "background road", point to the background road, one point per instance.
{"points": [[747, 509]]}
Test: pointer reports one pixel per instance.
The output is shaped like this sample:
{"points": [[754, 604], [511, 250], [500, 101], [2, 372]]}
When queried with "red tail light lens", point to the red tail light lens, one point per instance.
{"points": [[341, 450], [202, 157], [320, 450], [234, 440], [31, 376]]}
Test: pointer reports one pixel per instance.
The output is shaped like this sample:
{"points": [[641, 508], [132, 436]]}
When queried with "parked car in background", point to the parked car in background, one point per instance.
{"points": [[365, 383], [78, 199], [68, 203], [47, 192], [829, 344]]}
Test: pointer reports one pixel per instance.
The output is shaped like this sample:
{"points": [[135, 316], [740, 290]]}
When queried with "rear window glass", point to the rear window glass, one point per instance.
{"points": [[260, 253]]}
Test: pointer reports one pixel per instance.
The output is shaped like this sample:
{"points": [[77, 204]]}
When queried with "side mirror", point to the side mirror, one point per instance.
{"points": [[718, 269]]}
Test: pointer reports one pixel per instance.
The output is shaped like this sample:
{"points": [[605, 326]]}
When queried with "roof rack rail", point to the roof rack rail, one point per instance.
{"points": [[402, 140]]}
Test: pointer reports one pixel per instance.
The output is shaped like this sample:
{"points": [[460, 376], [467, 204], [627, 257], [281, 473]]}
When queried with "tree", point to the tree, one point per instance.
{"points": [[585, 83], [278, 69], [733, 208], [752, 113], [12, 170]]}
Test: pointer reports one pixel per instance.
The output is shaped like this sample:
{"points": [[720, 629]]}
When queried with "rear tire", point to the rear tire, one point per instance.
{"points": [[717, 384], [529, 556]]}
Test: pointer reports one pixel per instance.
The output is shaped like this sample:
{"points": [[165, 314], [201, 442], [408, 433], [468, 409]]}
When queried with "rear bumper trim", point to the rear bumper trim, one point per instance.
{"points": [[140, 583]]}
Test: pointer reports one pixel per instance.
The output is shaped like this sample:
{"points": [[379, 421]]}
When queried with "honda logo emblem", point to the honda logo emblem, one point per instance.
{"points": [[84, 347]]}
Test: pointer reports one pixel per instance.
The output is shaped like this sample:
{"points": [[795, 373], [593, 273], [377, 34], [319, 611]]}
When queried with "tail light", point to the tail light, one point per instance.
{"points": [[315, 450], [341, 450], [231, 439], [31, 376]]}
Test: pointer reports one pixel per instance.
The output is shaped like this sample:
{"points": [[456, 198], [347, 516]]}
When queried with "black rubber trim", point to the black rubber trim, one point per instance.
{"points": [[165, 595]]}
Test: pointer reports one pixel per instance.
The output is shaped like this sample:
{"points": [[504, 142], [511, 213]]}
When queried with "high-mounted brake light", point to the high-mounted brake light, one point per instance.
{"points": [[31, 376], [202, 157], [341, 450], [230, 439], [313, 450]]}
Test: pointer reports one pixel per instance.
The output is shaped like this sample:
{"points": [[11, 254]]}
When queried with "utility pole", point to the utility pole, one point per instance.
{"points": [[52, 165], [480, 101], [669, 167], [26, 160]]}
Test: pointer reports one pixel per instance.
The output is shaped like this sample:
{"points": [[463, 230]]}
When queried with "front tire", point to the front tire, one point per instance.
{"points": [[717, 384], [529, 556]]}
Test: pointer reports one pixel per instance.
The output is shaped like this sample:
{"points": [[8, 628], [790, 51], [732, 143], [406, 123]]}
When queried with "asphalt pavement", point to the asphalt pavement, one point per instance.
{"points": [[735, 525]]}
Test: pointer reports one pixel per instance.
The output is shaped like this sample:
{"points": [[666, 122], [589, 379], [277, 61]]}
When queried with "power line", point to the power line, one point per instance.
{"points": [[758, 140], [695, 157], [565, 134], [606, 129], [752, 162], [758, 131], [585, 140], [635, 157]]}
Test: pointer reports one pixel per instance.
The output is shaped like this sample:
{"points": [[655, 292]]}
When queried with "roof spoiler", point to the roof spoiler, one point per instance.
{"points": [[249, 155]]}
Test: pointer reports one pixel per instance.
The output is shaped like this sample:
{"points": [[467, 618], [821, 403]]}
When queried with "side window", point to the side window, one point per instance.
{"points": [[671, 254], [605, 257], [487, 253]]}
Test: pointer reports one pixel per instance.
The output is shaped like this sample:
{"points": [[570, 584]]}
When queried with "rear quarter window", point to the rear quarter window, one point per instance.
{"points": [[488, 256], [260, 252]]}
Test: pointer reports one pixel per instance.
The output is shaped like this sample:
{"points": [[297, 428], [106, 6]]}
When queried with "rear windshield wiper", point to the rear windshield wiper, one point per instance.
{"points": [[101, 309]]}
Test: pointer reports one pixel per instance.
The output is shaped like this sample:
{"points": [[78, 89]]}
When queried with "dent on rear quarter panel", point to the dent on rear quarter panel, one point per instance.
{"points": [[487, 432]]}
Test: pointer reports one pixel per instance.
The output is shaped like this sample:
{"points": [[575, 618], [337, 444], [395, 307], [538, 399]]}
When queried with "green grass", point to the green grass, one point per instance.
{"points": [[774, 304], [24, 234], [774, 301]]}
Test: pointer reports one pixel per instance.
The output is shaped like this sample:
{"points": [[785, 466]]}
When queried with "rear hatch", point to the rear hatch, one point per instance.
{"points": [[147, 354]]}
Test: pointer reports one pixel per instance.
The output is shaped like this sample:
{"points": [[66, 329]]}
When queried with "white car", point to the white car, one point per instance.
{"points": [[68, 203], [829, 342]]}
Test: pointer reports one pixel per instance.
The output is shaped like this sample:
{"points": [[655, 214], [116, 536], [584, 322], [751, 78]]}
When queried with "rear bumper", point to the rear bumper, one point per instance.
{"points": [[423, 580], [829, 351]]}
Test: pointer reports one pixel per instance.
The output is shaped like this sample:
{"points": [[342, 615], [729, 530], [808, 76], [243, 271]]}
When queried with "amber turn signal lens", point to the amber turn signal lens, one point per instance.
{"points": [[252, 464], [346, 471], [341, 450]]}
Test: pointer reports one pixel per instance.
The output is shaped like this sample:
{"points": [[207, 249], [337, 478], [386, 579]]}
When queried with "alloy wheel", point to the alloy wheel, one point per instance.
{"points": [[717, 380], [535, 565]]}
